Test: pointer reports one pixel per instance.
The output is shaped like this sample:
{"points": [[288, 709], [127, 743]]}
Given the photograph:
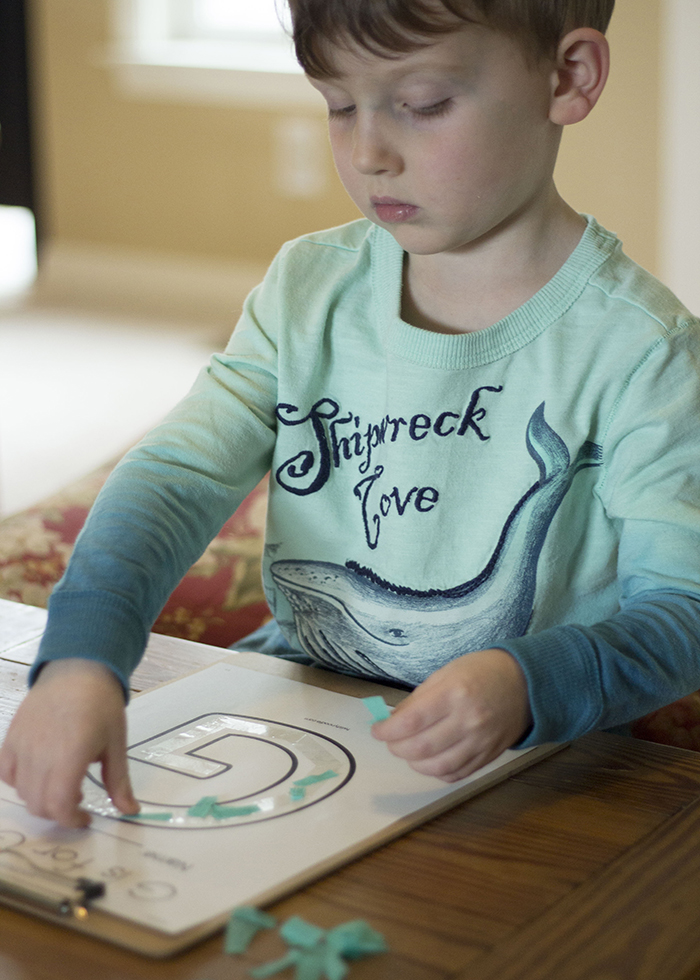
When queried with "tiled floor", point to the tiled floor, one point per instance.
{"points": [[77, 389]]}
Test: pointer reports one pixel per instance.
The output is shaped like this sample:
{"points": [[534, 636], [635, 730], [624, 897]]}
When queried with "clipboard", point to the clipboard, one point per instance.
{"points": [[247, 730]]}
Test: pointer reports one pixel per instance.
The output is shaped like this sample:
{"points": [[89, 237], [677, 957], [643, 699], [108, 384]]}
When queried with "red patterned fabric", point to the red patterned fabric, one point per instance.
{"points": [[677, 724], [219, 601]]}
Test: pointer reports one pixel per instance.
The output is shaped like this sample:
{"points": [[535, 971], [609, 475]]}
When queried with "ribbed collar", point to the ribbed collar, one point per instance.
{"points": [[519, 328]]}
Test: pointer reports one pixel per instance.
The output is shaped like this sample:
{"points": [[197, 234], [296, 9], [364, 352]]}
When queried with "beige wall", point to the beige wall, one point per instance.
{"points": [[196, 179], [609, 164]]}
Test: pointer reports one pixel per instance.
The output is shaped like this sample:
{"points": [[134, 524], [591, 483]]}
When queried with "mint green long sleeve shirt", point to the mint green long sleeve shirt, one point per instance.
{"points": [[533, 486]]}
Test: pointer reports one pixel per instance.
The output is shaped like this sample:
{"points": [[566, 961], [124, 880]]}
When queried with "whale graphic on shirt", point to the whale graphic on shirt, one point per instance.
{"points": [[350, 619]]}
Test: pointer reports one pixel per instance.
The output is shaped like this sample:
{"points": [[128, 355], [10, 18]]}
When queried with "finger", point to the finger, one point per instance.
{"points": [[430, 742], [65, 809], [49, 780], [414, 715], [454, 764], [115, 775], [54, 798], [8, 765]]}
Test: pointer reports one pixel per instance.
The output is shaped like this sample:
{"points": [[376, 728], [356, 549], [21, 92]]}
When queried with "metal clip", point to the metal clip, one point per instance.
{"points": [[23, 881]]}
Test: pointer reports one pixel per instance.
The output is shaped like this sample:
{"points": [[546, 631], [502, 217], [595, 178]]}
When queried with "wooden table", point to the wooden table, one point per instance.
{"points": [[584, 867]]}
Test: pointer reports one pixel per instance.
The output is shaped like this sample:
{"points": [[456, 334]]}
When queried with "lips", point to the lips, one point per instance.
{"points": [[390, 211]]}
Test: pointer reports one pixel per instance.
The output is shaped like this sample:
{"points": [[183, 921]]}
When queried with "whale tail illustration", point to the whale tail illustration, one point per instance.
{"points": [[590, 454], [546, 447]]}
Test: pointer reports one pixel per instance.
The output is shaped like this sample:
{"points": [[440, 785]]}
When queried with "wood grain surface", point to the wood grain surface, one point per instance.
{"points": [[584, 867]]}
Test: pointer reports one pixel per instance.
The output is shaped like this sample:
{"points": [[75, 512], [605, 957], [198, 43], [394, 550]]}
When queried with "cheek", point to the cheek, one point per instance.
{"points": [[454, 166], [493, 158], [341, 149]]}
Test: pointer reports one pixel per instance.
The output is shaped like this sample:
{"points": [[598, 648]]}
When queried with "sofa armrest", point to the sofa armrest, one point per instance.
{"points": [[219, 601]]}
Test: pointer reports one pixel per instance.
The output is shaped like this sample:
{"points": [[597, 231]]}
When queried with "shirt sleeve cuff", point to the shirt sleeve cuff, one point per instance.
{"points": [[563, 683], [93, 626]]}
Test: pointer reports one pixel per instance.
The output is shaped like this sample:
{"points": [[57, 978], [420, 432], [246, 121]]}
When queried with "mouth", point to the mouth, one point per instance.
{"points": [[390, 211]]}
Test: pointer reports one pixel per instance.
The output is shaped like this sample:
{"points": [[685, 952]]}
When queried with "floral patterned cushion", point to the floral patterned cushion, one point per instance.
{"points": [[677, 724], [219, 601]]}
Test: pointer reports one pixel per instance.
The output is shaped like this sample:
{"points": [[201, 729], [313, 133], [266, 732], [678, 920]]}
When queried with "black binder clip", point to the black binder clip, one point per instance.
{"points": [[24, 884]]}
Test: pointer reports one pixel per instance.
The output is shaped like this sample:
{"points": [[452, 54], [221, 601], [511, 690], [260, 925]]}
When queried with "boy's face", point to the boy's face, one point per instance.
{"points": [[444, 145]]}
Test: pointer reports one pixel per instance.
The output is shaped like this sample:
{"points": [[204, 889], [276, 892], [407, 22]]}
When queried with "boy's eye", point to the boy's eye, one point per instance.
{"points": [[436, 109], [341, 113]]}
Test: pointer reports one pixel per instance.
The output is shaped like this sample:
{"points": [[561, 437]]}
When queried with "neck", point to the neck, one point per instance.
{"points": [[471, 288]]}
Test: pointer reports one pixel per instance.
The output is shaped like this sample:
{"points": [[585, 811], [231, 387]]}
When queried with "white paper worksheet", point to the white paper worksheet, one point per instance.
{"points": [[255, 744]]}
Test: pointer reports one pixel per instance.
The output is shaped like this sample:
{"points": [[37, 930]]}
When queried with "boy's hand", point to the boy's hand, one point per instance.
{"points": [[461, 717], [72, 716]]}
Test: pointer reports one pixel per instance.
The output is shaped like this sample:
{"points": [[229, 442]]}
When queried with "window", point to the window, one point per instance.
{"points": [[211, 50], [230, 17]]}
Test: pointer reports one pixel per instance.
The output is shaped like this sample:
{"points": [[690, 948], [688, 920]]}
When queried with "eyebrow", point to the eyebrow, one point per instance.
{"points": [[451, 70]]}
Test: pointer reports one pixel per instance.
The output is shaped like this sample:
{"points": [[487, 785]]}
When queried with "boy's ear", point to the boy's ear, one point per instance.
{"points": [[580, 74]]}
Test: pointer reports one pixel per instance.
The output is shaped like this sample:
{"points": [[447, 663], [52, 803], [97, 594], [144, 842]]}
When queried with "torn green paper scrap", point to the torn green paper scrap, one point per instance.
{"points": [[298, 932], [146, 816], [298, 790], [276, 966], [202, 808], [377, 707], [219, 812], [209, 807], [245, 922], [356, 939], [319, 954], [308, 780]]}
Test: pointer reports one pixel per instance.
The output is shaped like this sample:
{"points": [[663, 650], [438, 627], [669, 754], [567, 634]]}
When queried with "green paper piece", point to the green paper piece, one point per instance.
{"points": [[356, 939], [309, 780], [219, 812], [202, 808], [245, 922], [319, 954], [297, 932], [377, 707], [297, 792], [276, 966], [334, 967], [238, 936], [146, 816], [312, 964], [248, 913]]}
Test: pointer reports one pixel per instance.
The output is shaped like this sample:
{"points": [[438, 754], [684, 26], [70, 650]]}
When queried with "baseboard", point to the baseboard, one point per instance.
{"points": [[209, 292]]}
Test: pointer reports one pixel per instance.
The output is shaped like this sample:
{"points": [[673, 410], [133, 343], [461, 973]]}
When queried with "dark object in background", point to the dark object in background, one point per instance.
{"points": [[16, 169]]}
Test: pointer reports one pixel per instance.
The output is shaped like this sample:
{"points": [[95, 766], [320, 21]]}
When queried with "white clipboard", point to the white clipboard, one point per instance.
{"points": [[247, 732]]}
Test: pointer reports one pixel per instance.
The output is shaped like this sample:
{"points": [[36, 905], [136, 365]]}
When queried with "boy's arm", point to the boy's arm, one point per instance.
{"points": [[583, 678], [550, 686], [580, 678], [162, 506], [155, 516]]}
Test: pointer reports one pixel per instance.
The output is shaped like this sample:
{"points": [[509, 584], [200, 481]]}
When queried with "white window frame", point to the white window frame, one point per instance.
{"points": [[680, 151], [153, 56]]}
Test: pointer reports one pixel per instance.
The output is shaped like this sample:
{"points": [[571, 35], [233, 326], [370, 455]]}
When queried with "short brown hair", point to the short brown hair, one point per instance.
{"points": [[387, 26]]}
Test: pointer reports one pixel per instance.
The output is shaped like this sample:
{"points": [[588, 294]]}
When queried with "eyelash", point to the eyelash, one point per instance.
{"points": [[430, 111], [438, 109]]}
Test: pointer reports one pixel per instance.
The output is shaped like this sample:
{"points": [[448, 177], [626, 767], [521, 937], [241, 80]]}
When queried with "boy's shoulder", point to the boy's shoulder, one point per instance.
{"points": [[639, 295], [311, 269], [352, 237], [321, 260]]}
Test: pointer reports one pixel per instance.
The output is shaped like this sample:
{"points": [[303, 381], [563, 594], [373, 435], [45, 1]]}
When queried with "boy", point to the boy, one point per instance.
{"points": [[480, 417]]}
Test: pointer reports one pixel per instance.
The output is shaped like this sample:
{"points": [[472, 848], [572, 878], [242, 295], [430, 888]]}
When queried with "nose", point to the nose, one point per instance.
{"points": [[374, 151]]}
